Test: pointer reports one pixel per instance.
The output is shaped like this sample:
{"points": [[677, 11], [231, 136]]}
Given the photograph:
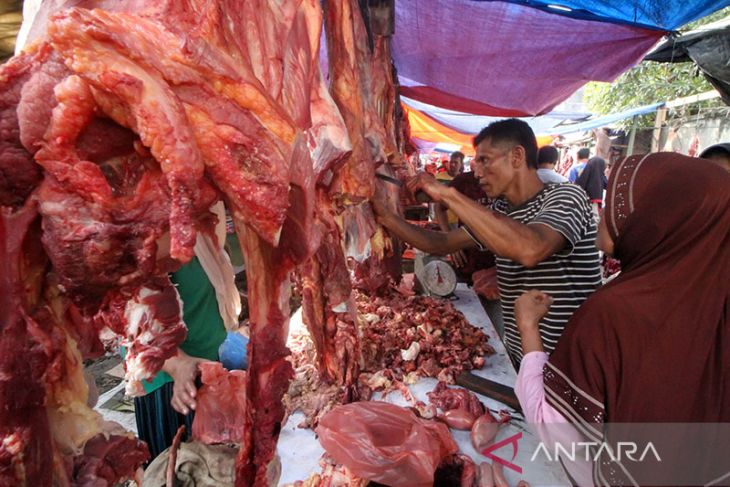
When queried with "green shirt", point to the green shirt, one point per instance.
{"points": [[206, 330]]}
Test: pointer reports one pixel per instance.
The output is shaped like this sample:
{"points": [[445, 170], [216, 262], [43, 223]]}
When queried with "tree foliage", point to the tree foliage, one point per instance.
{"points": [[650, 82]]}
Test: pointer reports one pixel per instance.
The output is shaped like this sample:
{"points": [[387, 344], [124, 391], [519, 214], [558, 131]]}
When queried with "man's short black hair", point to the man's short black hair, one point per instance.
{"points": [[458, 154], [548, 155], [514, 131], [584, 153]]}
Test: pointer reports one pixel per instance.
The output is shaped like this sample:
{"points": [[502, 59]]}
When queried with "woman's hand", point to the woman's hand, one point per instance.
{"points": [[530, 308], [184, 370]]}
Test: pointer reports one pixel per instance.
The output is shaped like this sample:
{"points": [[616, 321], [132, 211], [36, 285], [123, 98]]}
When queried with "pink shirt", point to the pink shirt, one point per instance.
{"points": [[530, 390]]}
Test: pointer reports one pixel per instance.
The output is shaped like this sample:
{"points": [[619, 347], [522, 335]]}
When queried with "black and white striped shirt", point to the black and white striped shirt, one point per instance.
{"points": [[569, 276]]}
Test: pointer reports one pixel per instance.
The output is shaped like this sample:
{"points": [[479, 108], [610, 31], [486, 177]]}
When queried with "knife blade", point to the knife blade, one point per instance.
{"points": [[495, 390], [389, 179], [420, 196]]}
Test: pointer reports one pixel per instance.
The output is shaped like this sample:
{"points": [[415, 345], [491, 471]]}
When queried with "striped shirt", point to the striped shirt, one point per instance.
{"points": [[569, 276]]}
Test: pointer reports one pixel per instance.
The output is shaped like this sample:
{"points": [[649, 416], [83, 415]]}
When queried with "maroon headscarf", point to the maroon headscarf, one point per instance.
{"points": [[654, 345]]}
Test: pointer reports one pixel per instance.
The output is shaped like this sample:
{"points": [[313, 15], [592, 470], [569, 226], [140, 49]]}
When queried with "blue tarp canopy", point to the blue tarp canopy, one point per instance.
{"points": [[605, 120], [658, 14], [521, 58]]}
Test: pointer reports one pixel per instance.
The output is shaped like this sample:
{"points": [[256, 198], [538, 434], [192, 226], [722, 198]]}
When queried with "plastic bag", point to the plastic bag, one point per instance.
{"points": [[385, 443], [221, 403], [233, 352]]}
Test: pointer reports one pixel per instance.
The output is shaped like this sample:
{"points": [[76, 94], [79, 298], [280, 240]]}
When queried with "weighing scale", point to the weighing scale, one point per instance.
{"points": [[434, 275]]}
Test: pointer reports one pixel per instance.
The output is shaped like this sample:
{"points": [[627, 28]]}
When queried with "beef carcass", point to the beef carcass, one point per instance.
{"points": [[24, 428], [385, 96], [19, 174], [328, 306], [141, 115], [351, 87]]}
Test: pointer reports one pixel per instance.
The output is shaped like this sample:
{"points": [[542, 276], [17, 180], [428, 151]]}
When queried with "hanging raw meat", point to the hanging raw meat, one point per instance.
{"points": [[351, 86], [122, 125]]}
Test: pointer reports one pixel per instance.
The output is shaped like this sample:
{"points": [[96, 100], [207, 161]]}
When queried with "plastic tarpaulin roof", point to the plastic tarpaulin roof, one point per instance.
{"points": [[659, 14], [471, 124], [518, 60], [425, 129], [426, 133], [605, 120], [708, 47]]}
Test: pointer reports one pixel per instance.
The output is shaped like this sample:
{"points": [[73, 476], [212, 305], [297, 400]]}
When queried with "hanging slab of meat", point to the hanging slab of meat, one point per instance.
{"points": [[384, 95], [140, 116], [43, 395], [19, 174], [350, 84], [24, 428], [328, 307], [328, 139]]}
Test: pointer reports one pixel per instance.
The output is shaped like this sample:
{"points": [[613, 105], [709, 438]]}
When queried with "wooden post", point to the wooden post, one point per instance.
{"points": [[632, 136], [661, 116]]}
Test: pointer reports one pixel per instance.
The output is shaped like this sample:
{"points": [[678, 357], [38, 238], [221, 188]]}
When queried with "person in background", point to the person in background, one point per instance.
{"points": [[577, 169], [451, 168], [542, 235], [464, 182], [209, 304], [169, 399], [593, 181], [719, 154], [547, 158], [617, 359]]}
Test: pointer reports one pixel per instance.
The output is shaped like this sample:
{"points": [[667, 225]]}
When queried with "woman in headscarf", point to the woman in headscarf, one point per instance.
{"points": [[653, 345], [593, 181]]}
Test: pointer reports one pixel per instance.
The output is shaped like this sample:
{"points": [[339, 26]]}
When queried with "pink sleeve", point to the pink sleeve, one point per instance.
{"points": [[530, 390], [543, 417]]}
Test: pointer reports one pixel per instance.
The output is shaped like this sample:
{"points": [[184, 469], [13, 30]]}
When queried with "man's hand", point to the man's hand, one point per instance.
{"points": [[428, 184], [530, 308], [184, 370]]}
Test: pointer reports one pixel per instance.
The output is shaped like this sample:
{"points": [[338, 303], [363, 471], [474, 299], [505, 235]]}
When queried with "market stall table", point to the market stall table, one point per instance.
{"points": [[300, 451]]}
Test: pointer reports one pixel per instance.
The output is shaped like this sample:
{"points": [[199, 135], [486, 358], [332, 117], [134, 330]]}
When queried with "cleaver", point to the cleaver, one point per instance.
{"points": [[485, 387]]}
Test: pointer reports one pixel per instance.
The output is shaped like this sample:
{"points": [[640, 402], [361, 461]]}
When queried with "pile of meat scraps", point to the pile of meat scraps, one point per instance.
{"points": [[402, 338], [419, 336]]}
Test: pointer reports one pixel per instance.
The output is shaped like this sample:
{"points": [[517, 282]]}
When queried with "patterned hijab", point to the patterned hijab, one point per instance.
{"points": [[653, 345]]}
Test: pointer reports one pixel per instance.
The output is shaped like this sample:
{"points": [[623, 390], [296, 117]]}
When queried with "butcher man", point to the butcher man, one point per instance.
{"points": [[543, 235]]}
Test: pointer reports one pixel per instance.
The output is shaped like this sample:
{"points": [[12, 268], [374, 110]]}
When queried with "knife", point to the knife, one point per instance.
{"points": [[389, 179], [420, 196], [495, 390]]}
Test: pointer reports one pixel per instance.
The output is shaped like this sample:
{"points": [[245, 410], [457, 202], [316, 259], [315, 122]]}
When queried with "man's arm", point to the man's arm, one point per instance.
{"points": [[437, 243], [442, 217], [527, 244]]}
